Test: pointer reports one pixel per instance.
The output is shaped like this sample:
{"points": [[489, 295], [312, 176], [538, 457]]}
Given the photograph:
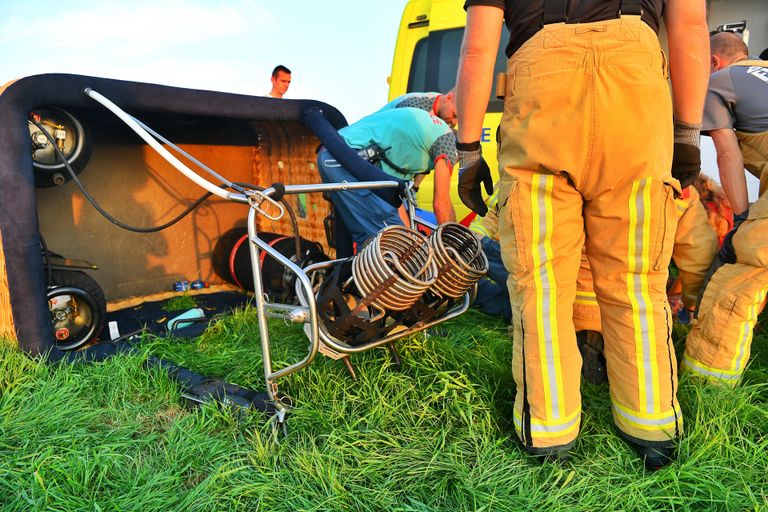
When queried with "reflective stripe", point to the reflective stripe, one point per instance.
{"points": [[637, 287], [587, 298], [728, 376], [745, 333], [551, 429], [663, 421], [477, 224], [546, 293]]}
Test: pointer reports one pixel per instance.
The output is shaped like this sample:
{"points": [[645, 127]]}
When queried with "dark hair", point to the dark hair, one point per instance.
{"points": [[728, 45], [280, 68], [764, 55]]}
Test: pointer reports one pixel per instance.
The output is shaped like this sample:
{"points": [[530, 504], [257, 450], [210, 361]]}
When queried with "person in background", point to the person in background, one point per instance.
{"points": [[586, 153], [736, 117], [281, 80]]}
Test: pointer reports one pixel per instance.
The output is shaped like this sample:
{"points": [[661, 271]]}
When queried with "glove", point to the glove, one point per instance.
{"points": [[686, 155], [473, 170], [727, 252]]}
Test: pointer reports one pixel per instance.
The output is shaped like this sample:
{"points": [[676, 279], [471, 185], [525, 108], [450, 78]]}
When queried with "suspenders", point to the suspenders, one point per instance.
{"points": [[556, 11]]}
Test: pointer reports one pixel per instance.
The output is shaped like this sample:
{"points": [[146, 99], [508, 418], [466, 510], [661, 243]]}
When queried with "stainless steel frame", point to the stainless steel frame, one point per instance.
{"points": [[261, 202]]}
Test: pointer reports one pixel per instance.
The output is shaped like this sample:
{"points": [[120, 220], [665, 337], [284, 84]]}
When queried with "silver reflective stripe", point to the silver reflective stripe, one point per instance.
{"points": [[693, 365], [642, 311], [658, 422], [551, 429], [546, 297]]}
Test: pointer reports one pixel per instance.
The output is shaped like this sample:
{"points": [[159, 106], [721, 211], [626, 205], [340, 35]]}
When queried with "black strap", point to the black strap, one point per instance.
{"points": [[631, 7], [555, 11]]}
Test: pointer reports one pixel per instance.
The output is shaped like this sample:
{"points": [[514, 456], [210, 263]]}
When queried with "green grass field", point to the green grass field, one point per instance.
{"points": [[435, 436]]}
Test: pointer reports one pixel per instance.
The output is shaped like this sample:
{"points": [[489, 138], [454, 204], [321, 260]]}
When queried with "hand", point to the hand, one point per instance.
{"points": [[473, 170], [686, 155], [727, 252]]}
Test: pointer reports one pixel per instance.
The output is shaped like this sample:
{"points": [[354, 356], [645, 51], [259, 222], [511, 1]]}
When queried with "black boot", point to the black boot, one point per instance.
{"points": [[558, 454], [655, 455], [593, 361]]}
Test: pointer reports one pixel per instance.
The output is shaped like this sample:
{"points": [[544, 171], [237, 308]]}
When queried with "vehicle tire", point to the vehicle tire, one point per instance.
{"points": [[49, 169], [78, 308]]}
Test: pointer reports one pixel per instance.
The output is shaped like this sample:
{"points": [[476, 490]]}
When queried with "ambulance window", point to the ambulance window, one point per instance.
{"points": [[436, 61]]}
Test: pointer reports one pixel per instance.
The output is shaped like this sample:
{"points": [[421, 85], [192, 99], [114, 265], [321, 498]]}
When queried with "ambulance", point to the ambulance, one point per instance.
{"points": [[427, 55]]}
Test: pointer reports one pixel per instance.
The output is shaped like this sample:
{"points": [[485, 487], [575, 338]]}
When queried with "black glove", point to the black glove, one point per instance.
{"points": [[473, 170], [727, 252], [686, 155]]}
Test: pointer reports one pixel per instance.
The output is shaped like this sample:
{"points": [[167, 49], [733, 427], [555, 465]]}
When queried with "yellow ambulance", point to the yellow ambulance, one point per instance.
{"points": [[427, 59], [427, 56]]}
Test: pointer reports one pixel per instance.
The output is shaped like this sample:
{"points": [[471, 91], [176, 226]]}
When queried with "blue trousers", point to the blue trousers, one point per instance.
{"points": [[364, 213], [492, 294]]}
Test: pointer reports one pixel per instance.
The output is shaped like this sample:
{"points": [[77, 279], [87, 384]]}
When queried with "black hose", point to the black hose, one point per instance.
{"points": [[234, 185], [101, 210]]}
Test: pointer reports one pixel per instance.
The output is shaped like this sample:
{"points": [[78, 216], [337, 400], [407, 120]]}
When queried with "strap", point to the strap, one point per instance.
{"points": [[555, 11], [631, 7]]}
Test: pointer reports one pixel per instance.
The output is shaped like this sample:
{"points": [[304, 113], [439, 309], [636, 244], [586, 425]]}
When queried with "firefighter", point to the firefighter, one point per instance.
{"points": [[587, 138], [736, 117]]}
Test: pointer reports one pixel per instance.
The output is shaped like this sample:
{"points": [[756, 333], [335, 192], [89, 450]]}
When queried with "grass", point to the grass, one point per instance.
{"points": [[435, 436], [179, 302]]}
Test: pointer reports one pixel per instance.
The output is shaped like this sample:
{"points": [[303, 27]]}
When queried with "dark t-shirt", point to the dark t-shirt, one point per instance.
{"points": [[524, 17]]}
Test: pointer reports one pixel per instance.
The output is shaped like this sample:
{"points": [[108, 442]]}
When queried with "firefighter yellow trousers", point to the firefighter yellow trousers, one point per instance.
{"points": [[719, 343], [694, 249], [586, 148]]}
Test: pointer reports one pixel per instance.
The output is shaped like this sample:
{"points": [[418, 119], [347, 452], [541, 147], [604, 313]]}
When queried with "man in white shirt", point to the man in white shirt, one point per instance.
{"points": [[281, 79]]}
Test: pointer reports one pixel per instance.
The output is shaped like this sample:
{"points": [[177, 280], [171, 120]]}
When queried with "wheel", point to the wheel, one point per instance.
{"points": [[72, 138], [78, 308]]}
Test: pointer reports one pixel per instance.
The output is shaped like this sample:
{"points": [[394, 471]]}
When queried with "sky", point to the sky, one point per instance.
{"points": [[340, 51]]}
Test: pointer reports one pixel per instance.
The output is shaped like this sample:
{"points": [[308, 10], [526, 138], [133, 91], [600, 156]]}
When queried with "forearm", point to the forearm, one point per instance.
{"points": [[475, 77], [733, 180], [444, 212], [442, 198], [730, 164], [688, 38]]}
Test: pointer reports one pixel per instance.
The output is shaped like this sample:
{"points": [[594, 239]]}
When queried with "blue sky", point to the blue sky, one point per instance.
{"points": [[340, 51]]}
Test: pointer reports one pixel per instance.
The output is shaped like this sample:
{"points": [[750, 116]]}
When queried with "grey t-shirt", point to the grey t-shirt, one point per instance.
{"points": [[737, 98]]}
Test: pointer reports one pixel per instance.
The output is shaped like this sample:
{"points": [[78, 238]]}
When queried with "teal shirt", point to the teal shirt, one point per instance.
{"points": [[416, 139]]}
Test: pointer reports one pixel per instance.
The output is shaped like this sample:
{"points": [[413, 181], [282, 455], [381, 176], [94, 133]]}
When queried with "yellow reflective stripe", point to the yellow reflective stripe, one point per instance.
{"points": [[479, 227], [664, 425], [745, 333], [550, 429], [637, 287], [663, 421], [728, 376], [586, 298], [546, 293]]}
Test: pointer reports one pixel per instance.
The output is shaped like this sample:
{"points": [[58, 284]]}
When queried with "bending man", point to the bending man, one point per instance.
{"points": [[406, 142]]}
